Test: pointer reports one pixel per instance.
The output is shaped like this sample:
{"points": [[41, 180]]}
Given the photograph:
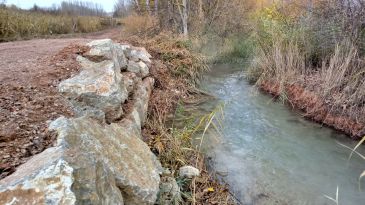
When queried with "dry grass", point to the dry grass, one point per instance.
{"points": [[339, 82], [17, 24], [283, 63], [139, 24], [342, 81], [325, 58], [176, 69]]}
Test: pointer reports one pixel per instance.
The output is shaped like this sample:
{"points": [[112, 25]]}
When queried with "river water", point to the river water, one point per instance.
{"points": [[269, 154]]}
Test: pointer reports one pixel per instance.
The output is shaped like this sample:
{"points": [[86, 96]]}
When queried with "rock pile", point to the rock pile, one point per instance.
{"points": [[99, 157]]}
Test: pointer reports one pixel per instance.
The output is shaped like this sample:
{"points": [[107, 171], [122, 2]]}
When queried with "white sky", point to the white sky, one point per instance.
{"points": [[26, 4]]}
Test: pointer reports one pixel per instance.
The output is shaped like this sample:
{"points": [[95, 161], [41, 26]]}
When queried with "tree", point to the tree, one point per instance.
{"points": [[35, 8], [82, 8], [156, 7], [184, 14], [122, 8], [148, 9]]}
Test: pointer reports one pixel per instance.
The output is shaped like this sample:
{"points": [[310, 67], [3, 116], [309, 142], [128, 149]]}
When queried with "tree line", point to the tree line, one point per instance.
{"points": [[71, 7]]}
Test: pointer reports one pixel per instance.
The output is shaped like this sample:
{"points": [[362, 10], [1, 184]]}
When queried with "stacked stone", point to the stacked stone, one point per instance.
{"points": [[99, 157]]}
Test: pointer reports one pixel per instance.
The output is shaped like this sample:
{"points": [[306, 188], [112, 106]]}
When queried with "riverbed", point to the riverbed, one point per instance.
{"points": [[269, 154]]}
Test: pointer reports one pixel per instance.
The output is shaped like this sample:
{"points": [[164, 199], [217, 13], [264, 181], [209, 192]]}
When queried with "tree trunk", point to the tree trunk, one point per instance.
{"points": [[200, 10], [137, 5], [184, 16], [148, 6], [156, 7]]}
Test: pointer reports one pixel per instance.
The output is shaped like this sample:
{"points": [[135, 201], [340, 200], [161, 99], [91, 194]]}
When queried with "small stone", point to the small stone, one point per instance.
{"points": [[169, 192], [189, 172]]}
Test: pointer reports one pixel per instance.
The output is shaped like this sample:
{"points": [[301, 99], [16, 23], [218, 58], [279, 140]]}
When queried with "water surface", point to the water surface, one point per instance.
{"points": [[269, 154]]}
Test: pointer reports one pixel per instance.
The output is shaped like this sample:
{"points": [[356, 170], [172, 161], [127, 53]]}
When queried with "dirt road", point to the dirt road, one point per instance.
{"points": [[29, 74]]}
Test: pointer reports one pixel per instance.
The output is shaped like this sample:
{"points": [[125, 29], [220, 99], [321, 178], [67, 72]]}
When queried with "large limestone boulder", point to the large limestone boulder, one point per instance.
{"points": [[138, 53], [106, 49], [99, 86], [92, 164], [45, 179], [114, 151]]}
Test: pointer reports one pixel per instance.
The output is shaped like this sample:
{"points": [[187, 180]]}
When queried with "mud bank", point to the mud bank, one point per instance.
{"points": [[315, 108]]}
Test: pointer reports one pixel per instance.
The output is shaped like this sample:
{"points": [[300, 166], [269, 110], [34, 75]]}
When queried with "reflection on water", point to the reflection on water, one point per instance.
{"points": [[269, 154]]}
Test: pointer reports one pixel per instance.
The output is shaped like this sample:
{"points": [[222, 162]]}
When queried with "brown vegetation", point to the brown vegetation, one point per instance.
{"points": [[325, 59], [175, 69], [18, 24], [315, 108]]}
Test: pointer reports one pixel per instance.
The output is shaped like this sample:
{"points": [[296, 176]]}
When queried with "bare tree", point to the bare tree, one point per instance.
{"points": [[136, 3], [183, 11], [156, 7], [148, 6], [82, 8]]}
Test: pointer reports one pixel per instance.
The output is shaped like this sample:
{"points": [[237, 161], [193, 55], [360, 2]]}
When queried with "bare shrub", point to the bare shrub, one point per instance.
{"points": [[282, 63]]}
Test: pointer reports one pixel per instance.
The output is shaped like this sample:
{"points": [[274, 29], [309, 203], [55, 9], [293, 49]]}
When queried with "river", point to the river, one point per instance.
{"points": [[269, 154]]}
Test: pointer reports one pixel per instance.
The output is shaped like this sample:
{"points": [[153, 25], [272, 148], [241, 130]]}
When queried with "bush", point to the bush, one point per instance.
{"points": [[139, 24]]}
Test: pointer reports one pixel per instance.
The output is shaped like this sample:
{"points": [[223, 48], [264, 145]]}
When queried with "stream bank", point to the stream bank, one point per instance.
{"points": [[269, 154], [98, 153], [315, 108]]}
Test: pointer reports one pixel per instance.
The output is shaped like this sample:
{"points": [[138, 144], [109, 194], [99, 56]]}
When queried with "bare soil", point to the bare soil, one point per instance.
{"points": [[30, 72]]}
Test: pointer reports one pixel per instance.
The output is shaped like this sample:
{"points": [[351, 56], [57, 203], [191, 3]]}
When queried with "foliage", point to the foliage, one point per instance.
{"points": [[236, 50]]}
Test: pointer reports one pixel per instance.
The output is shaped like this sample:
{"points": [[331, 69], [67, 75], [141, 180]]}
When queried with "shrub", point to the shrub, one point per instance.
{"points": [[139, 24]]}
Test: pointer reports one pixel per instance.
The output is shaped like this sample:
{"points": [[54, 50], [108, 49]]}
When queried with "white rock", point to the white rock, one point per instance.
{"points": [[189, 172]]}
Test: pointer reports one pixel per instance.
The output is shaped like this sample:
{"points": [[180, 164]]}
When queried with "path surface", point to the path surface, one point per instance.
{"points": [[21, 60], [29, 74]]}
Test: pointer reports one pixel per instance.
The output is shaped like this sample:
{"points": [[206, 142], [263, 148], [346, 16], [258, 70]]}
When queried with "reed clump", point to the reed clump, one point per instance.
{"points": [[321, 50]]}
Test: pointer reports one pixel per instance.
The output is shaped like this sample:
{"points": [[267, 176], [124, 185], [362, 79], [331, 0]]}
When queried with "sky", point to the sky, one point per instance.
{"points": [[26, 4]]}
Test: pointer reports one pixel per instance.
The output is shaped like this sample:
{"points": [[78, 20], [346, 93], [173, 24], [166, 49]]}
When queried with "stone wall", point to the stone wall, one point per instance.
{"points": [[99, 157]]}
